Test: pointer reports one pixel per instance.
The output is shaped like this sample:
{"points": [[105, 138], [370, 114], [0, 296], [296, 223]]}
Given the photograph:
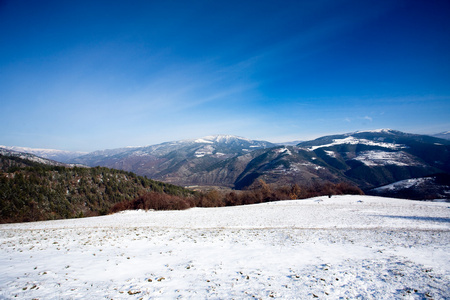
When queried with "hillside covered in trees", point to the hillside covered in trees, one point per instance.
{"points": [[30, 191]]}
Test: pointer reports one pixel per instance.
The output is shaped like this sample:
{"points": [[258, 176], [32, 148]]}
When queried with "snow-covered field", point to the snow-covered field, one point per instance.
{"points": [[343, 247]]}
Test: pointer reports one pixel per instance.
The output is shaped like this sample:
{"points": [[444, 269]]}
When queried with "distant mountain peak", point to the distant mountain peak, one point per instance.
{"points": [[221, 138], [43, 150], [443, 135], [63, 156], [350, 140], [30, 157], [381, 130]]}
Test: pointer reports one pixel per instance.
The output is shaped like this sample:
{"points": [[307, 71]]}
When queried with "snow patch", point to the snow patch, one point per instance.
{"points": [[381, 130], [207, 150], [330, 153], [404, 184], [284, 150], [355, 141], [221, 138], [375, 158], [297, 167], [203, 141]]}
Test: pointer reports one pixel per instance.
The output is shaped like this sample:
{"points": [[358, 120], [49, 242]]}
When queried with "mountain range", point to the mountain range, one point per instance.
{"points": [[26, 156], [368, 159], [62, 156], [443, 135]]}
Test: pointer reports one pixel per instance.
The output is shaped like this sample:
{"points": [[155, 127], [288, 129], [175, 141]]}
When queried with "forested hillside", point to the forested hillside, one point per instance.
{"points": [[30, 191]]}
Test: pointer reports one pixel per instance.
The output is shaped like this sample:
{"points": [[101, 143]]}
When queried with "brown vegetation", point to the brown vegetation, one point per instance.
{"points": [[213, 198], [154, 200]]}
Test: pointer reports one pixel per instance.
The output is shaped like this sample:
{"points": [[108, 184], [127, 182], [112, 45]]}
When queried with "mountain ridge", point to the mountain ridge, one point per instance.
{"points": [[47, 152], [443, 135], [63, 156], [369, 159], [31, 157]]}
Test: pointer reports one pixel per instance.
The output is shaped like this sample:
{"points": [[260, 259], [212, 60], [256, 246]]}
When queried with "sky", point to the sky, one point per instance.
{"points": [[90, 75]]}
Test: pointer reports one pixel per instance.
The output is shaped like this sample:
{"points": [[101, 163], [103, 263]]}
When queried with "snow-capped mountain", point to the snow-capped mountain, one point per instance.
{"points": [[380, 137], [227, 144], [366, 158], [29, 157], [215, 145], [52, 154], [175, 161], [443, 135]]}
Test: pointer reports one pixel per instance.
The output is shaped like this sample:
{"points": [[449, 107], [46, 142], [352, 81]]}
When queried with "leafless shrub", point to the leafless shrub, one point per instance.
{"points": [[262, 192], [154, 200]]}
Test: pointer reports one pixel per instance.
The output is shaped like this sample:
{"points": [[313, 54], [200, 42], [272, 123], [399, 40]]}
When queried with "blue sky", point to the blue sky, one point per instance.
{"points": [[89, 75]]}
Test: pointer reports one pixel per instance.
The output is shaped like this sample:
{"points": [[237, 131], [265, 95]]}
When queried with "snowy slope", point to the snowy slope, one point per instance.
{"points": [[374, 158], [443, 135], [404, 184], [436, 187], [56, 155], [348, 246], [356, 141], [179, 162], [30, 157]]}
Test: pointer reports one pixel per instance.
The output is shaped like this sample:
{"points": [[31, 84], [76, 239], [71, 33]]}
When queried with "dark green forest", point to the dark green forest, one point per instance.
{"points": [[31, 191]]}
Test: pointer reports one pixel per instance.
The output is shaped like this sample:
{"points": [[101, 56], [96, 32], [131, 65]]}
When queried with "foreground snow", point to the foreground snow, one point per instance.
{"points": [[343, 247]]}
